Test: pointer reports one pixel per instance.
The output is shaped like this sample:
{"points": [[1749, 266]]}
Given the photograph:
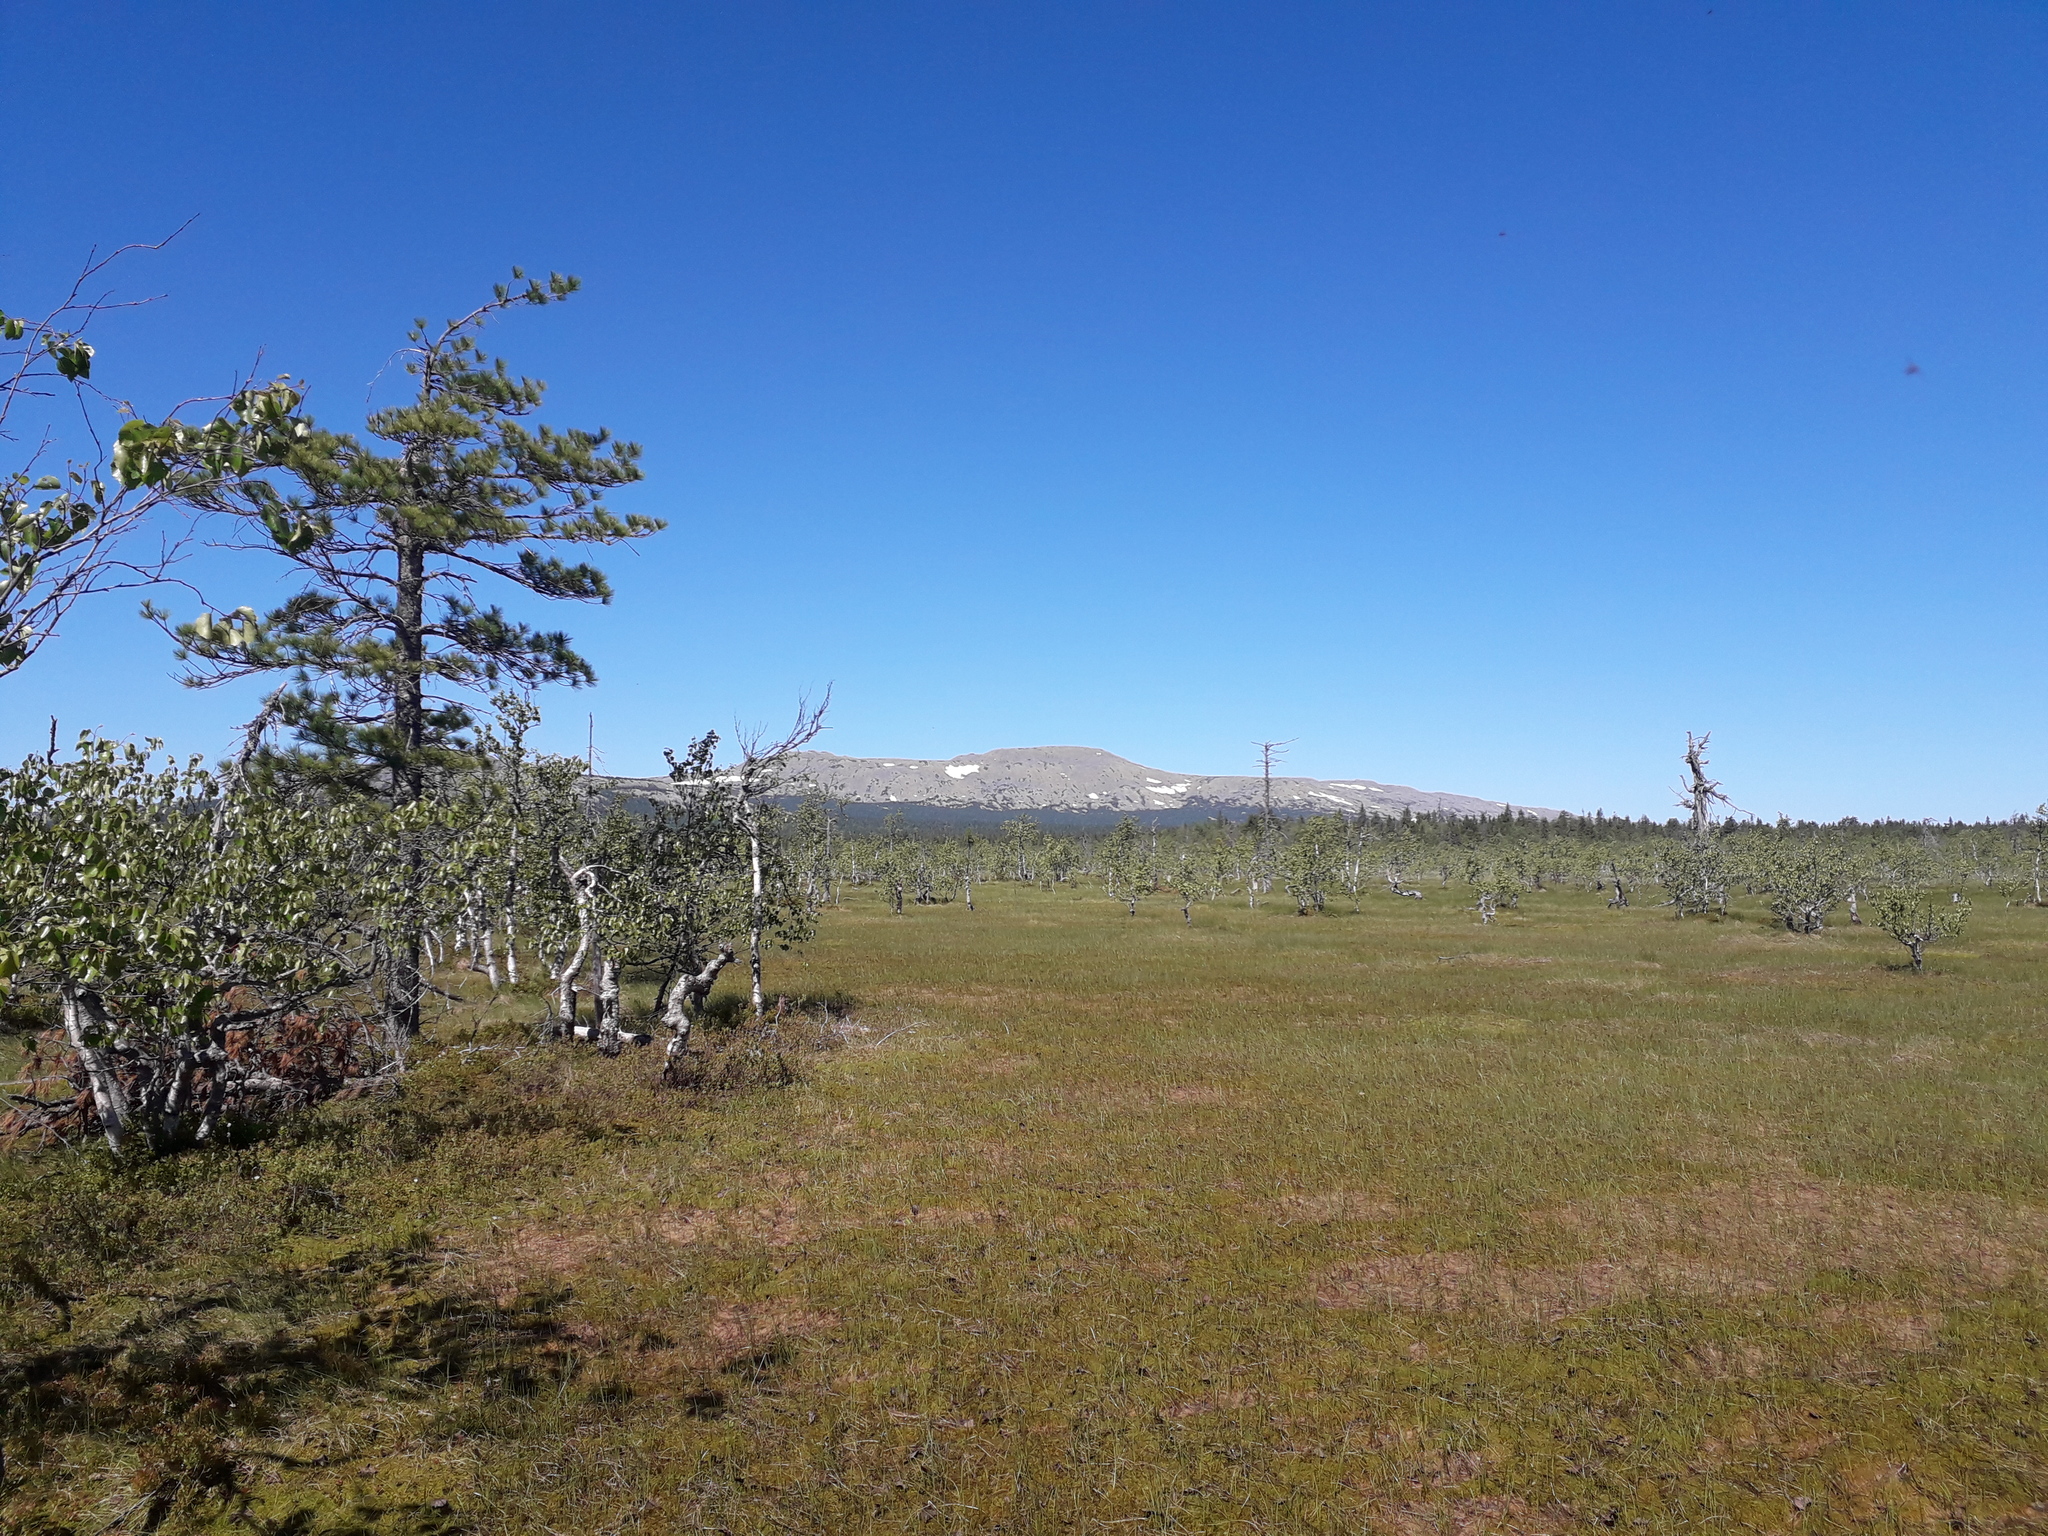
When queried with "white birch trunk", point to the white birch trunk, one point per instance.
{"points": [[755, 919], [178, 1098], [607, 1000], [511, 906], [84, 1018], [686, 1001], [582, 883]]}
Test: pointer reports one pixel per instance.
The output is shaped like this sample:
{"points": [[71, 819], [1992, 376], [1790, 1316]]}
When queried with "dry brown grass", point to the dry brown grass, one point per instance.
{"points": [[1328, 1205], [552, 1251], [774, 1226], [1723, 1241], [1497, 1516], [741, 1327], [1229, 1400], [1452, 1282], [1780, 1229]]}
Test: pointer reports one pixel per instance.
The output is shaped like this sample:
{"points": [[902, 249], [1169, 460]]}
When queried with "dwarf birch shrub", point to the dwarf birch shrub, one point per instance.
{"points": [[182, 923], [1918, 918]]}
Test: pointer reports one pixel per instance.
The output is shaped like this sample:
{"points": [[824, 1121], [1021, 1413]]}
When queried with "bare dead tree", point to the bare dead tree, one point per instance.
{"points": [[760, 772], [1259, 866], [1269, 752], [1620, 896], [1697, 879], [1702, 794]]}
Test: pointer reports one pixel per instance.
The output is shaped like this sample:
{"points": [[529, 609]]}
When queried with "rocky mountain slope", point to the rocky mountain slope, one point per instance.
{"points": [[1089, 782]]}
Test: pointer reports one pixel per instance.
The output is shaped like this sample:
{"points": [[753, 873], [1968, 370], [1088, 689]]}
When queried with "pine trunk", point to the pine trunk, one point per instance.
{"points": [[409, 774]]}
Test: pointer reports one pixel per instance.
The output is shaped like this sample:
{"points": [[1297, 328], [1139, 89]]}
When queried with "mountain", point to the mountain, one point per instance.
{"points": [[1084, 784]]}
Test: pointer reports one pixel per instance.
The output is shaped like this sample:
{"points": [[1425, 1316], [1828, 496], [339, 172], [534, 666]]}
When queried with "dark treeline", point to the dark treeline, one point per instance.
{"points": [[1805, 871]]}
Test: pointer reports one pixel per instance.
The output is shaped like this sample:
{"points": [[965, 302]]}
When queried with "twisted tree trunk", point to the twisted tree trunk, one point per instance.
{"points": [[582, 886], [686, 1002]]}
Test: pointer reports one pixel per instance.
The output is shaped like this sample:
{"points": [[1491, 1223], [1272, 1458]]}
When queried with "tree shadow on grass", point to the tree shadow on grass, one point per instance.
{"points": [[192, 1380], [732, 1010]]}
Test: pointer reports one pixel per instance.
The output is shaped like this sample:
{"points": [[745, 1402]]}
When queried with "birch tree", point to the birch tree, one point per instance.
{"points": [[1021, 841], [184, 922], [1309, 861], [558, 891], [502, 789], [1197, 875], [1126, 864], [760, 772], [2033, 851], [1397, 855], [1804, 878], [893, 854], [815, 823], [963, 861], [1918, 918], [1495, 883]]}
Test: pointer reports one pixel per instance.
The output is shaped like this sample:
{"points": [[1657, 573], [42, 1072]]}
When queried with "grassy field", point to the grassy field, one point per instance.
{"points": [[1074, 1222]]}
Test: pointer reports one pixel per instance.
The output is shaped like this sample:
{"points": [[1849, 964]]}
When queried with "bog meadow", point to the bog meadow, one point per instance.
{"points": [[407, 1134]]}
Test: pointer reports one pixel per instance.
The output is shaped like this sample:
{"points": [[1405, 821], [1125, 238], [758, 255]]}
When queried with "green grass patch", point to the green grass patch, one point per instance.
{"points": [[1375, 1221]]}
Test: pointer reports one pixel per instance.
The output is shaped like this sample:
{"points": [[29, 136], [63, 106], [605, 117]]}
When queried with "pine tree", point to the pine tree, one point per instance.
{"points": [[386, 639]]}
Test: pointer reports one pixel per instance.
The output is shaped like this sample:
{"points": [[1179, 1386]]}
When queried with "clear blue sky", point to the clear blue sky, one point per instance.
{"points": [[1482, 394]]}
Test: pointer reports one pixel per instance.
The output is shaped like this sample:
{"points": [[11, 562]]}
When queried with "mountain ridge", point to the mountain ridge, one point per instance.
{"points": [[1090, 781]]}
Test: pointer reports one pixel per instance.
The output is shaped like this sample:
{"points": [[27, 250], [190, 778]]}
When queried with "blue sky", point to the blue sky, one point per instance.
{"points": [[1481, 394]]}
